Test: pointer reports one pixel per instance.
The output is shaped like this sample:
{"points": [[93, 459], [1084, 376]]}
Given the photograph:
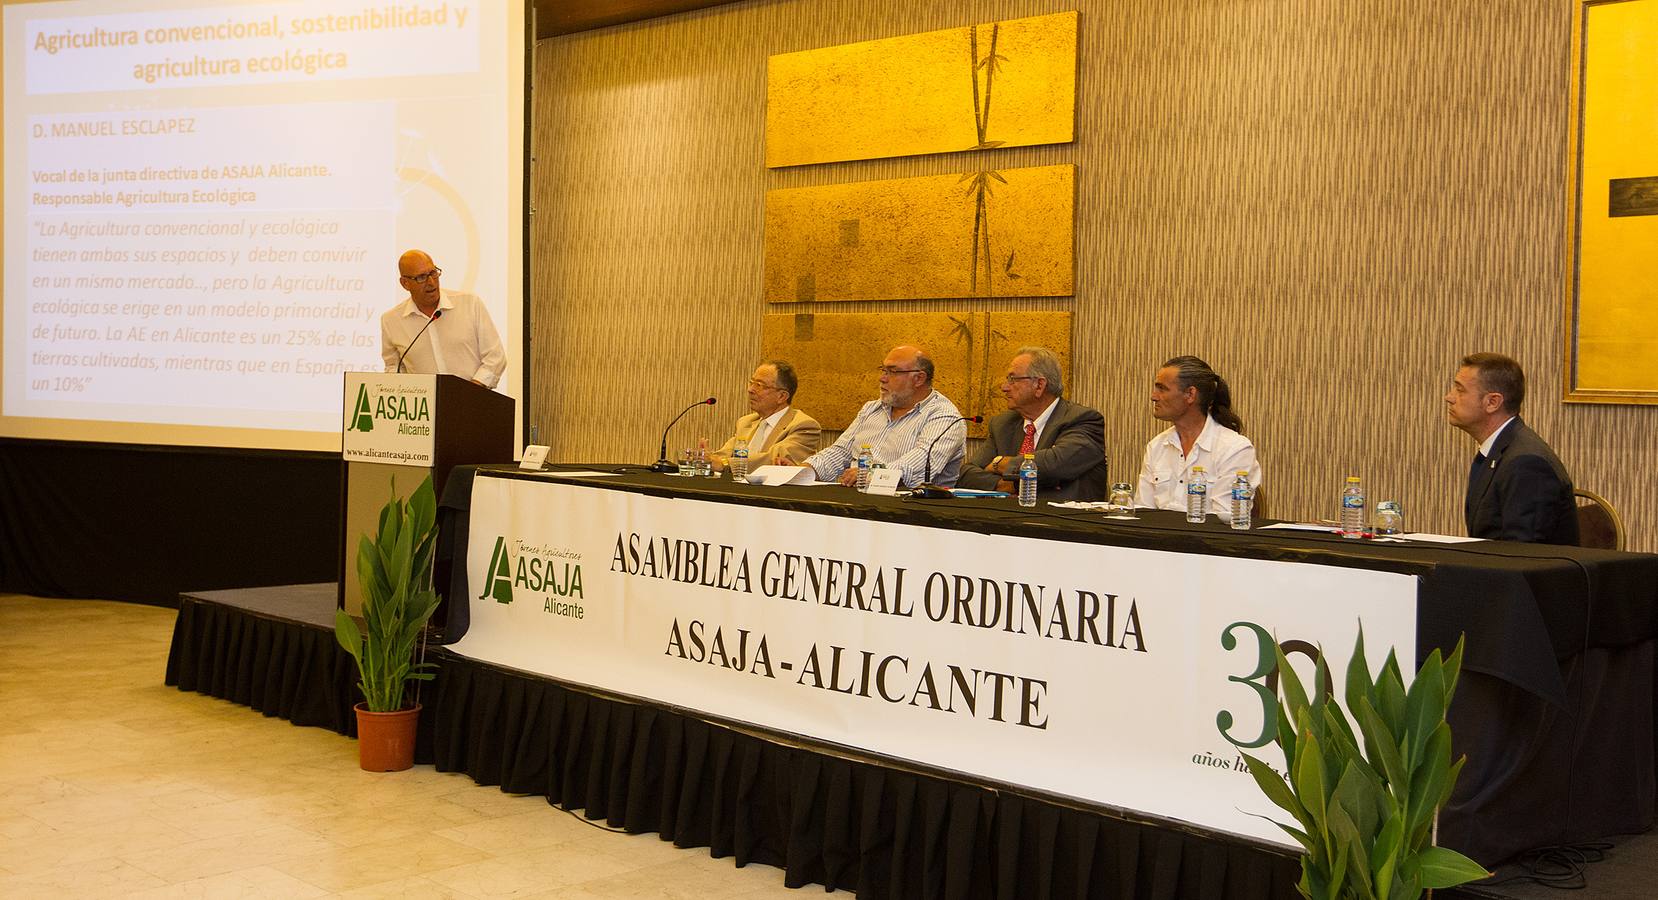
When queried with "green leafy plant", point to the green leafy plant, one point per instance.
{"points": [[394, 570], [1364, 818]]}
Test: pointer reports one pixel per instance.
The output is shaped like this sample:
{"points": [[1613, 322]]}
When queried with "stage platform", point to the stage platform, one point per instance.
{"points": [[821, 815], [269, 648]]}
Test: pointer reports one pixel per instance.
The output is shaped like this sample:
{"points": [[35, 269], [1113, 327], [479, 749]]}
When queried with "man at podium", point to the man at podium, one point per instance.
{"points": [[439, 332]]}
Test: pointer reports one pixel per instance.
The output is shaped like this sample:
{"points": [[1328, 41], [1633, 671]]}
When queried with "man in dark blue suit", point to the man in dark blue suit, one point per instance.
{"points": [[1067, 439], [1517, 488]]}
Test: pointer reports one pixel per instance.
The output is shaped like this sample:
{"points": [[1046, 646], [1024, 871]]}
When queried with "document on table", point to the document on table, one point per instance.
{"points": [[1331, 529], [580, 473], [776, 475]]}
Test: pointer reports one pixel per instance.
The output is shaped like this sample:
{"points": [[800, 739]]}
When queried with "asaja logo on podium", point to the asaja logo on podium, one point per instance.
{"points": [[362, 417], [546, 574], [413, 415]]}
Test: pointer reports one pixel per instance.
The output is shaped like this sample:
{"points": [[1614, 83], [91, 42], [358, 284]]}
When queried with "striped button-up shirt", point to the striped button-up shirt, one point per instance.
{"points": [[900, 444]]}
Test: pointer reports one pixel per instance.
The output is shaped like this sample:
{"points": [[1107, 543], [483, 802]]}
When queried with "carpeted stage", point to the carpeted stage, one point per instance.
{"points": [[821, 815]]}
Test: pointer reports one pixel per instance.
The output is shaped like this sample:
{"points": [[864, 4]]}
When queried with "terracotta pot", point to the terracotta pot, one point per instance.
{"points": [[386, 741]]}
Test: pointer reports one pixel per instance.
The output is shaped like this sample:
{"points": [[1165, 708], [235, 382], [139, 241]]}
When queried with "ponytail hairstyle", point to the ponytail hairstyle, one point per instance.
{"points": [[1214, 398]]}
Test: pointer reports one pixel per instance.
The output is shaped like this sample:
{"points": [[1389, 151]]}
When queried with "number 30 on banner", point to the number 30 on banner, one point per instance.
{"points": [[1264, 680]]}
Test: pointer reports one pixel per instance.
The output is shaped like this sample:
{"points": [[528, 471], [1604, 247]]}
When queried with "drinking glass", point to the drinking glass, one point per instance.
{"points": [[704, 463], [1122, 497], [1390, 517]]}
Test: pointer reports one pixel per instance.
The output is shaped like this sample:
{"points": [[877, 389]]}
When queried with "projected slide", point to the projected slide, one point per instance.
{"points": [[204, 205]]}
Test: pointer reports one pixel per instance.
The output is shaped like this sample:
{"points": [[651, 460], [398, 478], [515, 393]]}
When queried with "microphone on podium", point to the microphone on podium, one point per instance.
{"points": [[663, 464], [926, 490], [436, 314]]}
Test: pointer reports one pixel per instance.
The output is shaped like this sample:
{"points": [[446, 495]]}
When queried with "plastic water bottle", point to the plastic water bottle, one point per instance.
{"points": [[1352, 508], [738, 464], [1197, 496], [866, 460], [1243, 497], [1027, 481]]}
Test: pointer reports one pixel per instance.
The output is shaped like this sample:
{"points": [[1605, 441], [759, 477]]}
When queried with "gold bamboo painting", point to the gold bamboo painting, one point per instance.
{"points": [[1612, 313], [836, 354], [1003, 84], [989, 233]]}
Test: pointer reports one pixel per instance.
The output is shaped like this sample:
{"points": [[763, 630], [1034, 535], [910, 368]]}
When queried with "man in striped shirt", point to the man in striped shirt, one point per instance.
{"points": [[900, 427]]}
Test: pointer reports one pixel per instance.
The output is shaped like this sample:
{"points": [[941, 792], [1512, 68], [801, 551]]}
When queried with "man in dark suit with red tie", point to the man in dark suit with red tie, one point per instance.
{"points": [[1517, 488], [1067, 439]]}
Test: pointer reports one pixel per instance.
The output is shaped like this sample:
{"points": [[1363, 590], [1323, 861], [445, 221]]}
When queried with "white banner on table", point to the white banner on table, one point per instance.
{"points": [[1100, 673]]}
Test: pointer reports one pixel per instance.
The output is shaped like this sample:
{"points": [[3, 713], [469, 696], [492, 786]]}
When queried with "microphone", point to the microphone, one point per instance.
{"points": [[436, 314], [663, 464], [927, 490]]}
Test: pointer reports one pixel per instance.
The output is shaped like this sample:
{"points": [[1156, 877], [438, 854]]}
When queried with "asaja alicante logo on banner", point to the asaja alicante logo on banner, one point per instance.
{"points": [[552, 574], [412, 414]]}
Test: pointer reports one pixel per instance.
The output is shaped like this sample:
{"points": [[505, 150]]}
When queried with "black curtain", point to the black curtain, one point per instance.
{"points": [[145, 524]]}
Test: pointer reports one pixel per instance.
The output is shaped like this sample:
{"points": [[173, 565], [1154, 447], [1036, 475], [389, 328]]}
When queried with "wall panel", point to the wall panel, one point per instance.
{"points": [[1330, 200]]}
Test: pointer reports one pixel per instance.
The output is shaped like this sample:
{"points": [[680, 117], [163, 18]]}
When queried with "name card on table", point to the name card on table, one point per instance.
{"points": [[883, 482], [535, 457]]}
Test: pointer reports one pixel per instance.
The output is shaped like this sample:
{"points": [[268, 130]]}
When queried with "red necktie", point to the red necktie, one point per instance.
{"points": [[1029, 444]]}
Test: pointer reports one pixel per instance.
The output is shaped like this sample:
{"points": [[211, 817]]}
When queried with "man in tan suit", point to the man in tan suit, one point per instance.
{"points": [[776, 432]]}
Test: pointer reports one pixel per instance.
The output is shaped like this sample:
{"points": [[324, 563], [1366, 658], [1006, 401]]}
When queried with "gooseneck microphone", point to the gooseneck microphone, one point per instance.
{"points": [[927, 490], [436, 314], [663, 464]]}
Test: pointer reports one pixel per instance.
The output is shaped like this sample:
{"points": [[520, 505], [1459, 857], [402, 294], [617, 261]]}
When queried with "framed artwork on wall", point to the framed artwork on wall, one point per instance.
{"points": [[1000, 84], [1611, 332]]}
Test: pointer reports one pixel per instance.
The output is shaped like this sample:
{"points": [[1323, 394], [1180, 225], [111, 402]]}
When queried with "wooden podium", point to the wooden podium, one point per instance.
{"points": [[405, 427]]}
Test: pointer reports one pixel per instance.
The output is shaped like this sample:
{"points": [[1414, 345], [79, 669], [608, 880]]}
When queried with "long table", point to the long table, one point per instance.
{"points": [[1555, 709]]}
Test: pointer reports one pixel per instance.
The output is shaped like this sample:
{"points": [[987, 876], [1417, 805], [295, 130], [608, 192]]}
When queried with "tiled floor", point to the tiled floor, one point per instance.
{"points": [[113, 785]]}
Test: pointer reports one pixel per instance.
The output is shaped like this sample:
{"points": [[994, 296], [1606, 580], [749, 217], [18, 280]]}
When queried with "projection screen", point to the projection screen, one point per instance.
{"points": [[204, 204]]}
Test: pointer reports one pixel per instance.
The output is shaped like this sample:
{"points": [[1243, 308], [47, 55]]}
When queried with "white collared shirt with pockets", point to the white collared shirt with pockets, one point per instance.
{"points": [[1218, 449]]}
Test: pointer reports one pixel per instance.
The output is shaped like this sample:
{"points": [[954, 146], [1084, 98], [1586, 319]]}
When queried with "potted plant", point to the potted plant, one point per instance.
{"points": [[394, 569], [1364, 818]]}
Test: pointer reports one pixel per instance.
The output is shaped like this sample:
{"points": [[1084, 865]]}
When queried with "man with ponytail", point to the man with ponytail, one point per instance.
{"points": [[1203, 431]]}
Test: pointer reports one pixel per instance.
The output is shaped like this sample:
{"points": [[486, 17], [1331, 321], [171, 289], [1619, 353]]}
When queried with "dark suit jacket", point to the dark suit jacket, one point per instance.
{"points": [[1070, 455], [1522, 492]]}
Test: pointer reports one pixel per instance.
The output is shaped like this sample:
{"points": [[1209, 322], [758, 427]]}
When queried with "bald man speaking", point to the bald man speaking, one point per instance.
{"points": [[439, 332]]}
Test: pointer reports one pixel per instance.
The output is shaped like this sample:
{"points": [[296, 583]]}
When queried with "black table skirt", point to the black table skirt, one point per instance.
{"points": [[821, 818], [1541, 775]]}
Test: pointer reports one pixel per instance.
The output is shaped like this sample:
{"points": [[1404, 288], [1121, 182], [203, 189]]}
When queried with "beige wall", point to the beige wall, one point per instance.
{"points": [[1330, 200]]}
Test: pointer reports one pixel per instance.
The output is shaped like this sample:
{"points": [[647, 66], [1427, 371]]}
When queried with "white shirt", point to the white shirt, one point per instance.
{"points": [[1041, 422], [461, 342], [901, 445], [1218, 449], [762, 430], [1485, 448]]}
